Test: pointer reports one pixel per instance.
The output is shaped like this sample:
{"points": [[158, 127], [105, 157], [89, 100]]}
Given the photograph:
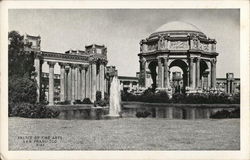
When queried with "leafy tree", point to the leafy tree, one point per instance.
{"points": [[20, 61], [22, 88]]}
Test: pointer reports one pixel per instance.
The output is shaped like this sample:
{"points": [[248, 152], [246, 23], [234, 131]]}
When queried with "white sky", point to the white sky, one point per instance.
{"points": [[122, 29]]}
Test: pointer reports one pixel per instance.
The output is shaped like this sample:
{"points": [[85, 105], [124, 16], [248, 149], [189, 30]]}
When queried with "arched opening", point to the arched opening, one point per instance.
{"points": [[153, 72], [204, 72], [178, 76]]}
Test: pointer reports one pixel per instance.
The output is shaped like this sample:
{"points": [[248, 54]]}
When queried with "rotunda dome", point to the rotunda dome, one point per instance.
{"points": [[177, 27]]}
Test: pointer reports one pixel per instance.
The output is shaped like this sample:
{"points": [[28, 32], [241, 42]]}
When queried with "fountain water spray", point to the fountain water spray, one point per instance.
{"points": [[115, 98]]}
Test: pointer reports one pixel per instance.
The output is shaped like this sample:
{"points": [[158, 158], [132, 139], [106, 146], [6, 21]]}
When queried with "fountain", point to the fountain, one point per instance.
{"points": [[115, 99]]}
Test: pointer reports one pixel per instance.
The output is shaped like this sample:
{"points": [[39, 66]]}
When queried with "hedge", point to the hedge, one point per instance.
{"points": [[28, 110], [196, 98]]}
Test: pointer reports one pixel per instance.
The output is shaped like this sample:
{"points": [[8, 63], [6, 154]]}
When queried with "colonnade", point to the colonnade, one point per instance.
{"points": [[193, 72], [77, 81]]}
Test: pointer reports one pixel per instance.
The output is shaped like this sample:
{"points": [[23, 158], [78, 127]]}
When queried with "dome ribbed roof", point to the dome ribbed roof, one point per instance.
{"points": [[177, 26]]}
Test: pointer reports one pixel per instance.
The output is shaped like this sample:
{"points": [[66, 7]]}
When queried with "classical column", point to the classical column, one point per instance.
{"points": [[93, 81], [105, 80], [76, 83], [69, 84], [197, 72], [166, 73], [79, 82], [51, 82], [213, 73], [38, 76], [88, 95], [73, 83], [98, 77], [209, 76], [145, 73], [191, 72], [62, 82], [66, 83], [102, 81], [159, 73], [142, 71], [83, 84]]}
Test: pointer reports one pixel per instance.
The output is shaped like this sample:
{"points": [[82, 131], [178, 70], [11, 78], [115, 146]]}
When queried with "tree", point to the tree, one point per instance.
{"points": [[20, 61], [22, 88]]}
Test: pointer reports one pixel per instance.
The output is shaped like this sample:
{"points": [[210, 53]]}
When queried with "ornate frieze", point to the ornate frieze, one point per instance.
{"points": [[152, 47], [64, 56], [204, 47], [178, 45]]}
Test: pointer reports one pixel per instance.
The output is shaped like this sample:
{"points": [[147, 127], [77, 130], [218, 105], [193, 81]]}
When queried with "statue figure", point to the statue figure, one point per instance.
{"points": [[195, 43], [161, 42], [38, 42]]}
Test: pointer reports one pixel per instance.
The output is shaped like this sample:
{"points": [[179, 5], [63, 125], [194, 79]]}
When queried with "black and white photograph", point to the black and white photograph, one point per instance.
{"points": [[125, 79]]}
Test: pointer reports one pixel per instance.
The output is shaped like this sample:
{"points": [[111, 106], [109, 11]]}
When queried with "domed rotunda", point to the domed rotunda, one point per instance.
{"points": [[183, 45]]}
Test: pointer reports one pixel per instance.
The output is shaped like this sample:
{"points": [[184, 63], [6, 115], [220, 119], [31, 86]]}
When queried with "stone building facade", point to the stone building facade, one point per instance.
{"points": [[82, 73], [183, 45]]}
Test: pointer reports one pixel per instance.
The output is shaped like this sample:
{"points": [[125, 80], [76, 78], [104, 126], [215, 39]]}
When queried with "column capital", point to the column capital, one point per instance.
{"points": [[67, 69], [159, 59], [197, 59], [51, 64], [213, 61], [78, 66], [166, 58], [83, 66], [93, 60], [72, 65], [103, 61], [62, 65], [38, 55], [142, 59]]}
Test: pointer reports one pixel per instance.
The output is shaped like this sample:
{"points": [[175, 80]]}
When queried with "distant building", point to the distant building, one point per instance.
{"points": [[228, 85]]}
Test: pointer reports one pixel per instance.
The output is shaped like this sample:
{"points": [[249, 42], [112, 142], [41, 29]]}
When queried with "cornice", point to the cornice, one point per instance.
{"points": [[63, 56]]}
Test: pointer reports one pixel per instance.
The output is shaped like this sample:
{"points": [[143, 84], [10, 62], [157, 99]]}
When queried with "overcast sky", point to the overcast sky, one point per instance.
{"points": [[122, 29]]}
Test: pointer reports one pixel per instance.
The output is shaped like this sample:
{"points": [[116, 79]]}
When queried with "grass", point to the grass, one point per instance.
{"points": [[127, 134]]}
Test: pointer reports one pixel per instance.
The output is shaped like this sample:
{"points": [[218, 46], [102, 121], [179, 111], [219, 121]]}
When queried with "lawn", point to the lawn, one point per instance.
{"points": [[124, 134]]}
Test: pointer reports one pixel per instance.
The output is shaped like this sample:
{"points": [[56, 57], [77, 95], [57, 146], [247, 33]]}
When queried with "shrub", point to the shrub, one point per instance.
{"points": [[22, 89], [220, 114], [147, 96], [98, 95], [226, 114], [195, 98], [235, 113], [178, 98], [235, 99], [63, 103], [106, 97], [28, 110], [78, 101], [86, 101], [142, 114]]}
